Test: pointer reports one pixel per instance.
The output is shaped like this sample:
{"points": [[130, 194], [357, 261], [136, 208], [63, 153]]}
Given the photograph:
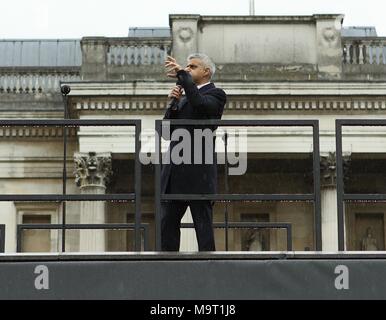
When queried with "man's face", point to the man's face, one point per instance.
{"points": [[199, 73]]}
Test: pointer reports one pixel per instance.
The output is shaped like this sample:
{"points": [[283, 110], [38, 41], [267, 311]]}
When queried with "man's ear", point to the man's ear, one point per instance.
{"points": [[207, 72]]}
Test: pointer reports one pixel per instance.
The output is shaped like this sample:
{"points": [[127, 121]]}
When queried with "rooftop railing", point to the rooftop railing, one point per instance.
{"points": [[364, 50], [134, 51], [12, 81]]}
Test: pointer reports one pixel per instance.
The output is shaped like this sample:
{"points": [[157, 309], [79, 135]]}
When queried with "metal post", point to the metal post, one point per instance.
{"points": [[157, 186], [19, 231], [317, 203], [339, 184], [226, 190], [65, 91], [137, 177], [289, 237], [2, 237]]}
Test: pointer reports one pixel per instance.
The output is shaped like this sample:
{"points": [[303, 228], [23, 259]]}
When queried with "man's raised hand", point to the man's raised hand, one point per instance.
{"points": [[172, 67]]}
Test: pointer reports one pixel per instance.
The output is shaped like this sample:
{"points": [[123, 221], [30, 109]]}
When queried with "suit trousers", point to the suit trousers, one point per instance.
{"points": [[202, 214]]}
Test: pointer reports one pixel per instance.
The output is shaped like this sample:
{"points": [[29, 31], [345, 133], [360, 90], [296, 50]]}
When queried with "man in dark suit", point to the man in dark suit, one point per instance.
{"points": [[204, 101]]}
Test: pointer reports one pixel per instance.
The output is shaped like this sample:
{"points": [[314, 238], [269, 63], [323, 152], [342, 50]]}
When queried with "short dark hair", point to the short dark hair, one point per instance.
{"points": [[206, 61]]}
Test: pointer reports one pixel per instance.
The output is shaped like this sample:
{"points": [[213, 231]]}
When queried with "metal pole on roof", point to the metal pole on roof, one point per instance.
{"points": [[251, 7]]}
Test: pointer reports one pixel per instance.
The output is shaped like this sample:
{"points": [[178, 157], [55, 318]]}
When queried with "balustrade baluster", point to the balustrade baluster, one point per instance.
{"points": [[348, 53], [374, 52], [132, 52], [360, 46], [354, 54]]}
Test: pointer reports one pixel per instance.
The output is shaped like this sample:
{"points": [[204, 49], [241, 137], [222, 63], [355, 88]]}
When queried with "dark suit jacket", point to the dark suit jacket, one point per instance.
{"points": [[204, 103]]}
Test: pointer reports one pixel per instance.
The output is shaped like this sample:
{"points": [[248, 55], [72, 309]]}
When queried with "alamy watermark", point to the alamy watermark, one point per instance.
{"points": [[196, 146]]}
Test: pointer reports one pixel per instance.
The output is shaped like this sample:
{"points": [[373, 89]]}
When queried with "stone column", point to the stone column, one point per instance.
{"points": [[184, 32], [188, 241], [92, 173], [329, 200]]}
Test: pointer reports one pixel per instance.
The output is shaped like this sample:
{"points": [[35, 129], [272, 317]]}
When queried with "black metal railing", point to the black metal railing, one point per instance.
{"points": [[104, 226], [136, 196], [63, 198], [342, 197], [313, 197], [252, 225]]}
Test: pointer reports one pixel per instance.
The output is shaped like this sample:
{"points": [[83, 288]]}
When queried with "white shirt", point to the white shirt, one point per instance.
{"points": [[202, 85]]}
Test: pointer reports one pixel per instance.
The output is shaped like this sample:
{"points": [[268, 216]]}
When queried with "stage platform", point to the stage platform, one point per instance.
{"points": [[194, 276]]}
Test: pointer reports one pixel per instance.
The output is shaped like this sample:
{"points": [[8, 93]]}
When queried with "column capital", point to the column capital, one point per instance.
{"points": [[328, 169], [92, 169]]}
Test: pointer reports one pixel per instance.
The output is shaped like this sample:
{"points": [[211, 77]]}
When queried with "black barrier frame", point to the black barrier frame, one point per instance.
{"points": [[2, 237], [104, 226], [314, 197], [135, 197], [252, 225], [341, 195]]}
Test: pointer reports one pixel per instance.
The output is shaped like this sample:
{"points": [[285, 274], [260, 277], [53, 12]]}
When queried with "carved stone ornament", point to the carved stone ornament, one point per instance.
{"points": [[185, 34], [92, 169], [328, 169], [330, 36]]}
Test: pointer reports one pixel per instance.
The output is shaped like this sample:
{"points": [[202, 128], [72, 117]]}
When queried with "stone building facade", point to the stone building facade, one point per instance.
{"points": [[271, 67]]}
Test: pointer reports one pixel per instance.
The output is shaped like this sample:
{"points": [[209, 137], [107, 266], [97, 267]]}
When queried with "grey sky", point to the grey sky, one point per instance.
{"points": [[78, 18]]}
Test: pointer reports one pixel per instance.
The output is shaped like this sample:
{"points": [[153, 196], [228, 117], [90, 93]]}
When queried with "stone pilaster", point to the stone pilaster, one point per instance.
{"points": [[94, 58], [92, 171], [329, 45], [184, 32], [328, 202]]}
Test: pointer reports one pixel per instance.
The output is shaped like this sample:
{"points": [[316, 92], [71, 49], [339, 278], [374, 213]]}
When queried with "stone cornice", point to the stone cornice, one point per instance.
{"points": [[254, 18], [290, 88]]}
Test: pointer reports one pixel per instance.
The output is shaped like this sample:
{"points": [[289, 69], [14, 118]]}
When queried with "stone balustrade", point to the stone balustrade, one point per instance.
{"points": [[34, 81], [137, 51], [133, 58], [364, 50]]}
